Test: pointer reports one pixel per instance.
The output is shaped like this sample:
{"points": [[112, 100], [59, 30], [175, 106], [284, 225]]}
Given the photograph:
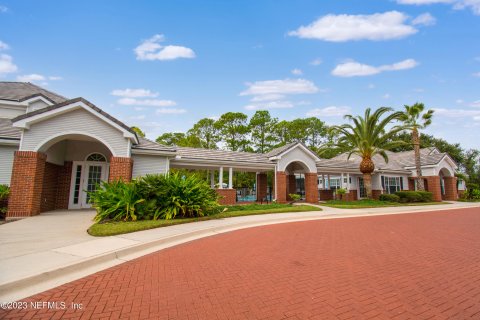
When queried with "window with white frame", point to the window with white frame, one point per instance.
{"points": [[392, 184]]}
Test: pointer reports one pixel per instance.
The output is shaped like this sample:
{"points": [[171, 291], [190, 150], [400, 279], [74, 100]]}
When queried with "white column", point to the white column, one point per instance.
{"points": [[342, 184], [348, 181], [212, 179], [329, 185], [220, 178], [230, 178], [323, 181]]}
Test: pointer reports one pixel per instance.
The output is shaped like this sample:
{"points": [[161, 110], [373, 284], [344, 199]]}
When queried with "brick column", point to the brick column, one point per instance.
{"points": [[291, 185], [63, 185], [311, 187], [451, 193], [281, 179], [26, 184], [433, 186], [227, 196], [261, 186], [120, 168]]}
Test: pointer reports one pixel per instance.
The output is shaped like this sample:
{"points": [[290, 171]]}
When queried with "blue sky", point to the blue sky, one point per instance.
{"points": [[164, 65]]}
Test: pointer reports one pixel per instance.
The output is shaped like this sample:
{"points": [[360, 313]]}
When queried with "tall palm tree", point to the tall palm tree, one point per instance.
{"points": [[369, 136], [415, 119]]}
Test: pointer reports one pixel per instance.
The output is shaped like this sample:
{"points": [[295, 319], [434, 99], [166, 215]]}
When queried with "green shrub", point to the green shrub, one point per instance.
{"points": [[473, 194], [294, 197], [341, 191], [389, 198], [117, 201], [4, 193], [414, 196]]}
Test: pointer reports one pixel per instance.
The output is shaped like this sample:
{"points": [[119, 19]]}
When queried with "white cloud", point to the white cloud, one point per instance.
{"points": [[267, 97], [475, 104], [331, 111], [286, 86], [151, 49], [55, 78], [356, 69], [31, 77], [6, 64], [473, 5], [4, 46], [270, 105], [425, 19], [3, 9], [456, 113], [134, 93], [476, 74], [170, 111], [316, 62], [297, 72], [459, 101], [386, 96], [371, 86], [339, 28], [146, 102]]}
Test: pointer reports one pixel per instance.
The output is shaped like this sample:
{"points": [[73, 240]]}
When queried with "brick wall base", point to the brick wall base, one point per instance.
{"points": [[26, 184], [281, 180], [261, 186], [326, 195], [291, 185], [120, 169], [49, 188], [227, 196], [64, 178], [350, 195], [376, 194], [311, 187]]}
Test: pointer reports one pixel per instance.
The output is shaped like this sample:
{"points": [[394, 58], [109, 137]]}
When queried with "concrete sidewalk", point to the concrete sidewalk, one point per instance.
{"points": [[46, 251]]}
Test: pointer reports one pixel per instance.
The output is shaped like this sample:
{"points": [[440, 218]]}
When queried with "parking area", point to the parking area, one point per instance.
{"points": [[405, 266]]}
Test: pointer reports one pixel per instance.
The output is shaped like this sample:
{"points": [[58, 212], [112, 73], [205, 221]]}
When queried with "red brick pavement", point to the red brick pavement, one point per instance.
{"points": [[412, 266]]}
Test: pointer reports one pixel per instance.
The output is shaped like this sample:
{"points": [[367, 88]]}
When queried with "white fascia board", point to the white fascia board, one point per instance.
{"points": [[9, 142], [298, 145], [25, 123], [216, 163], [37, 98], [153, 152]]}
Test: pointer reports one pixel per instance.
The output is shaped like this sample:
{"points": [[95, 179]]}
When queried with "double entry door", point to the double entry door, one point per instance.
{"points": [[86, 175]]}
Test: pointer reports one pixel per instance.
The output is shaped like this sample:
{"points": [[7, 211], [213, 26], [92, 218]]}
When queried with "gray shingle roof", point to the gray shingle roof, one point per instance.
{"points": [[7, 131], [145, 144], [221, 155], [20, 91], [398, 161]]}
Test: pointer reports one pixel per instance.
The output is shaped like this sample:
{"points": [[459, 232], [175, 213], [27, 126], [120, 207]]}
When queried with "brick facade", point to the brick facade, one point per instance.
{"points": [[450, 184], [351, 195], [433, 186], [261, 186], [120, 168], [227, 196], [64, 177], [326, 195], [281, 179], [311, 187], [291, 185], [49, 188], [376, 194], [26, 184]]}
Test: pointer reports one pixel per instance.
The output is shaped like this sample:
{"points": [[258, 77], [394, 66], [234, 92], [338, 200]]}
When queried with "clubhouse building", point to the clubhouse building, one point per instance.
{"points": [[53, 148]]}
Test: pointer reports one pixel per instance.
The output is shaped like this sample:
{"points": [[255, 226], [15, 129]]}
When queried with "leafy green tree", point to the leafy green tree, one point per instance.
{"points": [[298, 130], [367, 137], [206, 131], [261, 128], [281, 132], [415, 119], [317, 133], [138, 131], [179, 139], [471, 165], [234, 131]]}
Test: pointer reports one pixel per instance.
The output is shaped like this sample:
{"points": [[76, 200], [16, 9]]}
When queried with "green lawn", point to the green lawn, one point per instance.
{"points": [[366, 203], [114, 228]]}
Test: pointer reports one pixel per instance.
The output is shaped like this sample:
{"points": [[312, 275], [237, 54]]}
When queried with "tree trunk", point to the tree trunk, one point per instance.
{"points": [[367, 166], [418, 165]]}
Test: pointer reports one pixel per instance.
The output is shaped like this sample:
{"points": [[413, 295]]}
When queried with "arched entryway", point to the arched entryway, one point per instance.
{"points": [[448, 185], [299, 179]]}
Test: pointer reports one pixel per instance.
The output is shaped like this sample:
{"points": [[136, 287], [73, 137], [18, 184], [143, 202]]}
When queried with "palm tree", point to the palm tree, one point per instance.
{"points": [[414, 119], [369, 136]]}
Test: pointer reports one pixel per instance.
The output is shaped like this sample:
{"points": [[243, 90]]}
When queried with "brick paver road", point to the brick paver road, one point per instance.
{"points": [[411, 266]]}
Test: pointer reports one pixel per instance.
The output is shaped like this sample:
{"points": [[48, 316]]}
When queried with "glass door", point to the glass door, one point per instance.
{"points": [[86, 176], [362, 192], [95, 173]]}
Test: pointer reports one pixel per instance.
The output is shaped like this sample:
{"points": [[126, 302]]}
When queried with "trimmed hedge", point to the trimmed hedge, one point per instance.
{"points": [[389, 198], [414, 196]]}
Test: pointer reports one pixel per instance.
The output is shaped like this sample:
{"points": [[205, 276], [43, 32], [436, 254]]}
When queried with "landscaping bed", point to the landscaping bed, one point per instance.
{"points": [[121, 227]]}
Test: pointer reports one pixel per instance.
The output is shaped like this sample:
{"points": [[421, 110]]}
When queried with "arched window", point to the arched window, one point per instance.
{"points": [[97, 157]]}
